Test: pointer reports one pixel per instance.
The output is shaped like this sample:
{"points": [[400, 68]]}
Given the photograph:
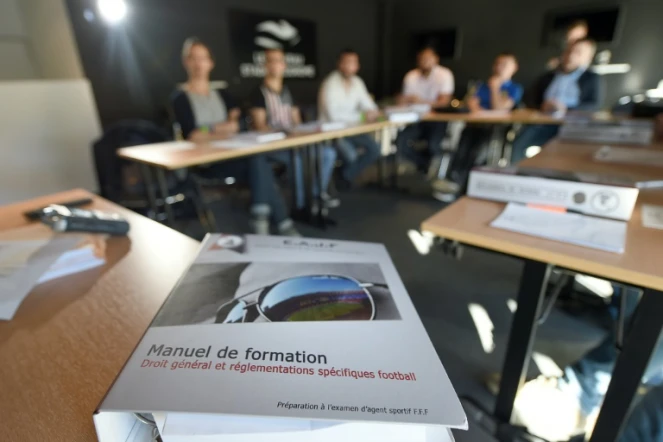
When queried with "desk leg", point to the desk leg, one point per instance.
{"points": [[293, 177], [163, 188], [323, 216], [531, 293], [149, 188], [631, 364]]}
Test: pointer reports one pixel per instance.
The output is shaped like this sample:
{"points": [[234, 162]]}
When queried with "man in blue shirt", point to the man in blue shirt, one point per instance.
{"points": [[500, 92], [571, 87]]}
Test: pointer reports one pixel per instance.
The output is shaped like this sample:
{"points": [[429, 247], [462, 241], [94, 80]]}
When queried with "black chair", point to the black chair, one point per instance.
{"points": [[123, 182]]}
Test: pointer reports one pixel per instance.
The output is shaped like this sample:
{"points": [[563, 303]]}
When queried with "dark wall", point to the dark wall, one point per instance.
{"points": [[134, 67], [488, 27]]}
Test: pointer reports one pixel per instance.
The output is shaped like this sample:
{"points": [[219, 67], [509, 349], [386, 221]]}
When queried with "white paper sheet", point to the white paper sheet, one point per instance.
{"points": [[317, 431], [630, 155], [248, 139], [318, 126], [572, 228], [15, 287], [652, 216]]}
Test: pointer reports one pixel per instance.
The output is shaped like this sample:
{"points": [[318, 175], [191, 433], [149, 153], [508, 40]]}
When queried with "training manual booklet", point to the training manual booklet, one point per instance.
{"points": [[268, 338]]}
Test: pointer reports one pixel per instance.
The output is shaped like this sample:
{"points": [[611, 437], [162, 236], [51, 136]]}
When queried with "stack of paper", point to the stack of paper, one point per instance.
{"points": [[248, 139], [573, 228], [406, 114], [630, 155], [617, 132], [273, 339], [32, 255], [318, 126], [652, 216]]}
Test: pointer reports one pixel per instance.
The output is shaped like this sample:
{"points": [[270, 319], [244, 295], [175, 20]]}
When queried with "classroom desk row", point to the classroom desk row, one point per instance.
{"points": [[156, 159], [467, 221]]}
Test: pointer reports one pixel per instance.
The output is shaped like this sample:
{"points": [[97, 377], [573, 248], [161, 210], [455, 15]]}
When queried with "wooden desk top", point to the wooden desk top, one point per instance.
{"points": [[71, 336], [523, 116], [468, 219], [168, 156]]}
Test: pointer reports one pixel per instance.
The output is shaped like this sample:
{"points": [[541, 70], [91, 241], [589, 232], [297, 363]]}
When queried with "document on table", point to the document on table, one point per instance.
{"points": [[630, 155], [652, 216], [572, 228], [15, 286], [248, 139], [33, 254]]}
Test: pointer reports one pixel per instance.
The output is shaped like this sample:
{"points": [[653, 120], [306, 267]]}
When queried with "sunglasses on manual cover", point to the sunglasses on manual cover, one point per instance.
{"points": [[304, 298]]}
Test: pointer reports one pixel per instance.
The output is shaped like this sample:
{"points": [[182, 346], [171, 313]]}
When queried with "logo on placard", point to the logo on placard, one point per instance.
{"points": [[605, 201]]}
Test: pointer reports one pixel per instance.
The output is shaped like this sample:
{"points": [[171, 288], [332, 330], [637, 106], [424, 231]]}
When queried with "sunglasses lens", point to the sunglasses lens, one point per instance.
{"points": [[231, 313], [317, 298]]}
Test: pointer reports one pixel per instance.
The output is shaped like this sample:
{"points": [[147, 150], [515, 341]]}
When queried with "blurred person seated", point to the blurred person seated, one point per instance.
{"points": [[344, 98], [274, 108], [428, 84], [206, 114], [557, 408], [571, 87], [577, 30], [499, 93]]}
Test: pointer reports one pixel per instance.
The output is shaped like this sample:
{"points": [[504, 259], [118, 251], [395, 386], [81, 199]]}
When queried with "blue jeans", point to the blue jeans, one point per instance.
{"points": [[326, 169], [589, 377], [645, 423], [433, 133], [532, 135], [266, 198], [353, 163]]}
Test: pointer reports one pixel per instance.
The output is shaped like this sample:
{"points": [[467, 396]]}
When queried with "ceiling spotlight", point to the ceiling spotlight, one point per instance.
{"points": [[113, 11]]}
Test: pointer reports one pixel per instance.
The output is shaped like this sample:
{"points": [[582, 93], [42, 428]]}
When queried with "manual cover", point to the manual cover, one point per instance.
{"points": [[276, 338]]}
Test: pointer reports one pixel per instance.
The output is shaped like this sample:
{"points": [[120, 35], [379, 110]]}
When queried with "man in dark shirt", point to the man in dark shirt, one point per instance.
{"points": [[273, 107], [571, 87]]}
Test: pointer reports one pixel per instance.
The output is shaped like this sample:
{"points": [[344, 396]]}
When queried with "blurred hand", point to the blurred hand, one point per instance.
{"points": [[229, 127], [372, 115], [413, 99], [553, 106], [494, 82], [473, 104]]}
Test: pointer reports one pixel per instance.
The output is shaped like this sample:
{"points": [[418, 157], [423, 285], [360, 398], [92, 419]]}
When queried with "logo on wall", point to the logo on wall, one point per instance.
{"points": [[251, 34]]}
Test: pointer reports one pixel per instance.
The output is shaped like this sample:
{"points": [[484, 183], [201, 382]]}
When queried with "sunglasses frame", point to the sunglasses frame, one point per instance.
{"points": [[265, 290]]}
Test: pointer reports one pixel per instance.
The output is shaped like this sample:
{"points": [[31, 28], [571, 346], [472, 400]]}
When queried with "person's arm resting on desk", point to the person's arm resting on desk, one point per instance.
{"points": [[474, 104], [259, 112], [229, 127], [499, 100], [184, 116]]}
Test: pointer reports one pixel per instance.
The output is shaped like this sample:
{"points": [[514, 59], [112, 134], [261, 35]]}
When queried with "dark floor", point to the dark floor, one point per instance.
{"points": [[442, 288]]}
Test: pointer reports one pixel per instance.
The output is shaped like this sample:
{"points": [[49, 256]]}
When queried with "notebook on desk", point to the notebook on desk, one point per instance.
{"points": [[573, 228], [285, 339]]}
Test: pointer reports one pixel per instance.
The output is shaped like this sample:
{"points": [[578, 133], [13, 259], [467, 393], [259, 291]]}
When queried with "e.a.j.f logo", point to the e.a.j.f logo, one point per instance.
{"points": [[251, 34], [605, 201]]}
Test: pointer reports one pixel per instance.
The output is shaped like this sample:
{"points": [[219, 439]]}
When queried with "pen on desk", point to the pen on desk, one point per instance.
{"points": [[557, 209]]}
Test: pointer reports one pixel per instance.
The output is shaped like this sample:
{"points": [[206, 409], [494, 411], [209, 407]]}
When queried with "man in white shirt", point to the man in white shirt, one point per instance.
{"points": [[344, 98], [429, 84]]}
